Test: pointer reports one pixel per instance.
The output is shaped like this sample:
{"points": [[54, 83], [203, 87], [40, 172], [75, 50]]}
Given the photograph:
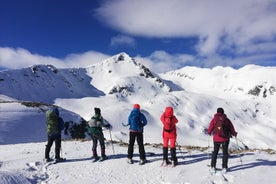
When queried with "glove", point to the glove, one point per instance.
{"points": [[107, 126]]}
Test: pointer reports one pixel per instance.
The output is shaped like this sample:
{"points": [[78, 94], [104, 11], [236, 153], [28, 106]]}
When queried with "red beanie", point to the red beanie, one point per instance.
{"points": [[136, 106]]}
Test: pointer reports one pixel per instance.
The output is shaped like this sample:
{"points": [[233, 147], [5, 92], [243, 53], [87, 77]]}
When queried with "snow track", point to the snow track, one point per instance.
{"points": [[29, 167]]}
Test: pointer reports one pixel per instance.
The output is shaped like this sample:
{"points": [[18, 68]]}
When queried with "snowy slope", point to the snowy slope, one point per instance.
{"points": [[22, 163], [115, 84]]}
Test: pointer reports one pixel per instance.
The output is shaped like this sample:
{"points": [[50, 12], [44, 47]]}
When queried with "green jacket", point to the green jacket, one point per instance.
{"points": [[95, 124]]}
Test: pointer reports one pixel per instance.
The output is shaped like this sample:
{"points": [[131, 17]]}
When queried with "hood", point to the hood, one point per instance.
{"points": [[168, 111]]}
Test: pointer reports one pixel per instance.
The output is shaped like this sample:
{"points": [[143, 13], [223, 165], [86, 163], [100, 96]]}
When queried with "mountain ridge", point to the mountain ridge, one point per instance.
{"points": [[116, 83]]}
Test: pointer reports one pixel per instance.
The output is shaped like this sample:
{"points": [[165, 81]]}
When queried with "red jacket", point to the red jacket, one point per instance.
{"points": [[167, 117], [216, 137]]}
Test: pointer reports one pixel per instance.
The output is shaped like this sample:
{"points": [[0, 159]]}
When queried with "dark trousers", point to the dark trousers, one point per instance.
{"points": [[140, 140], [224, 151], [51, 140], [95, 138]]}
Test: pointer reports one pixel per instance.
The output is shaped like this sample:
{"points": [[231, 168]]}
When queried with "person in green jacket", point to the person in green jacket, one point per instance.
{"points": [[95, 125]]}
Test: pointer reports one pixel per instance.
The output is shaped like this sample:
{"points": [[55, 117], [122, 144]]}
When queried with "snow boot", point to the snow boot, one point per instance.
{"points": [[142, 161], [130, 161], [60, 159], [165, 157], [213, 170], [173, 157]]}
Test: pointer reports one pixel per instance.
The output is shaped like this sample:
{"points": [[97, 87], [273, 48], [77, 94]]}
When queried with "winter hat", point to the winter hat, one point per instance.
{"points": [[97, 110], [136, 106], [220, 110]]}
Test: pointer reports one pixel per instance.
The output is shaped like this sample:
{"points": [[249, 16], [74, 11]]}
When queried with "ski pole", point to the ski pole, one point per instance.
{"points": [[209, 151], [239, 151], [179, 147], [111, 141]]}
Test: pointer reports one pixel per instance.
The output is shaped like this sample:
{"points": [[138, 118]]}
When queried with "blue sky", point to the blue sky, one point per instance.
{"points": [[163, 35]]}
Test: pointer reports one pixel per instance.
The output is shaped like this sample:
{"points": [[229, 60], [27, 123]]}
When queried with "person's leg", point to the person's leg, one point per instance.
{"points": [[173, 150], [165, 149], [57, 146], [215, 154], [48, 147], [140, 141], [132, 136], [225, 154], [94, 146], [102, 144]]}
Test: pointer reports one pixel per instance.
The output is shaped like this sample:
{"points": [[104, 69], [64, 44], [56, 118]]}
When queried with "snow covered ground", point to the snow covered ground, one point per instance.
{"points": [[114, 85], [22, 163]]}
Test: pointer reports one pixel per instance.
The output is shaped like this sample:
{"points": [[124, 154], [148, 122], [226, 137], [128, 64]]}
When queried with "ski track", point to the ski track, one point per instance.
{"points": [[29, 167]]}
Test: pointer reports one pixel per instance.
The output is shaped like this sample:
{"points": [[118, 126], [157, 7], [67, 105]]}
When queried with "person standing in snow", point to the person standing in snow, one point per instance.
{"points": [[55, 125], [169, 135], [137, 121], [223, 129], [95, 125]]}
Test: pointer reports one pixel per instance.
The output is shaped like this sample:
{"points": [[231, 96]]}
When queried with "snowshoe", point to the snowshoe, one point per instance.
{"points": [[213, 170], [130, 161], [142, 161], [60, 160], [174, 163], [48, 160], [95, 159], [165, 163], [102, 158], [224, 170]]}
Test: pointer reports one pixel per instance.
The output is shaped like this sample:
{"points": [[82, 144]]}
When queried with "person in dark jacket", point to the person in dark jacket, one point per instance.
{"points": [[219, 123], [137, 121], [169, 121], [55, 125], [95, 130]]}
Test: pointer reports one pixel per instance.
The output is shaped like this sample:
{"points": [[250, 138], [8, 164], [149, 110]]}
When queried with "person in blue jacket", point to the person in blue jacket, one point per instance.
{"points": [[136, 121]]}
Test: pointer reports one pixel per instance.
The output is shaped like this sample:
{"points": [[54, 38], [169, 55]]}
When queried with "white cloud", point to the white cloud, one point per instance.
{"points": [[161, 61], [18, 58], [158, 62], [219, 24], [122, 40]]}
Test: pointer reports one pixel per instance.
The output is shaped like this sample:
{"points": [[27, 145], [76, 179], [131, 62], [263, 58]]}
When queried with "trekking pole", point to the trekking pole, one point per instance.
{"points": [[239, 151], [209, 151], [111, 141], [179, 147]]}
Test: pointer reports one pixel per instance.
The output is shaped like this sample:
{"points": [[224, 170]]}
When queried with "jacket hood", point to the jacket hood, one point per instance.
{"points": [[217, 115], [168, 111]]}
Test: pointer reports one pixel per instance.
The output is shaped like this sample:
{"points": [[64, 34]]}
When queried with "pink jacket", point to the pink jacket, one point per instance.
{"points": [[166, 117], [216, 137]]}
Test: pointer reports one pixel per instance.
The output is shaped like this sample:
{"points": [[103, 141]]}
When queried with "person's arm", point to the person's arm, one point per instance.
{"points": [[232, 129], [211, 126]]}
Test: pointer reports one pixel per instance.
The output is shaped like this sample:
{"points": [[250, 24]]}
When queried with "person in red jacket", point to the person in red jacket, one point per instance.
{"points": [[169, 135], [223, 129]]}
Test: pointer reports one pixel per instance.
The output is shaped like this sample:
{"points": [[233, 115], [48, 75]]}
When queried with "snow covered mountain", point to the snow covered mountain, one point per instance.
{"points": [[114, 85]]}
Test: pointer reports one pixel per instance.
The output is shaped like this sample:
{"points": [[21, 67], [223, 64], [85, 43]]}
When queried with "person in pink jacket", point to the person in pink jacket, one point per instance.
{"points": [[223, 129], [169, 135]]}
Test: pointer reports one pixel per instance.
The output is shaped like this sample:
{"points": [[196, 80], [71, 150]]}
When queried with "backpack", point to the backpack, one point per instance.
{"points": [[95, 124], [168, 125], [221, 128], [52, 120]]}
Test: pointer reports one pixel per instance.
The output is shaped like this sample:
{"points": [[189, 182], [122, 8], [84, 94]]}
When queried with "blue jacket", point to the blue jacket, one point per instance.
{"points": [[136, 120]]}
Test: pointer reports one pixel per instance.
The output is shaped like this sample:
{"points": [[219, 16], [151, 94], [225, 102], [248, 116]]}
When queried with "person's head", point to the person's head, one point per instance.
{"points": [[136, 106], [220, 110], [169, 111], [97, 110], [56, 111]]}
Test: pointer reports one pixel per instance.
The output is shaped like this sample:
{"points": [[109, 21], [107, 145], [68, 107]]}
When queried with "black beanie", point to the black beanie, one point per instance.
{"points": [[220, 110], [97, 110]]}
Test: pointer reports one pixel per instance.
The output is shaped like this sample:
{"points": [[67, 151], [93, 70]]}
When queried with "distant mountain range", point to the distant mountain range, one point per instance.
{"points": [[248, 96]]}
